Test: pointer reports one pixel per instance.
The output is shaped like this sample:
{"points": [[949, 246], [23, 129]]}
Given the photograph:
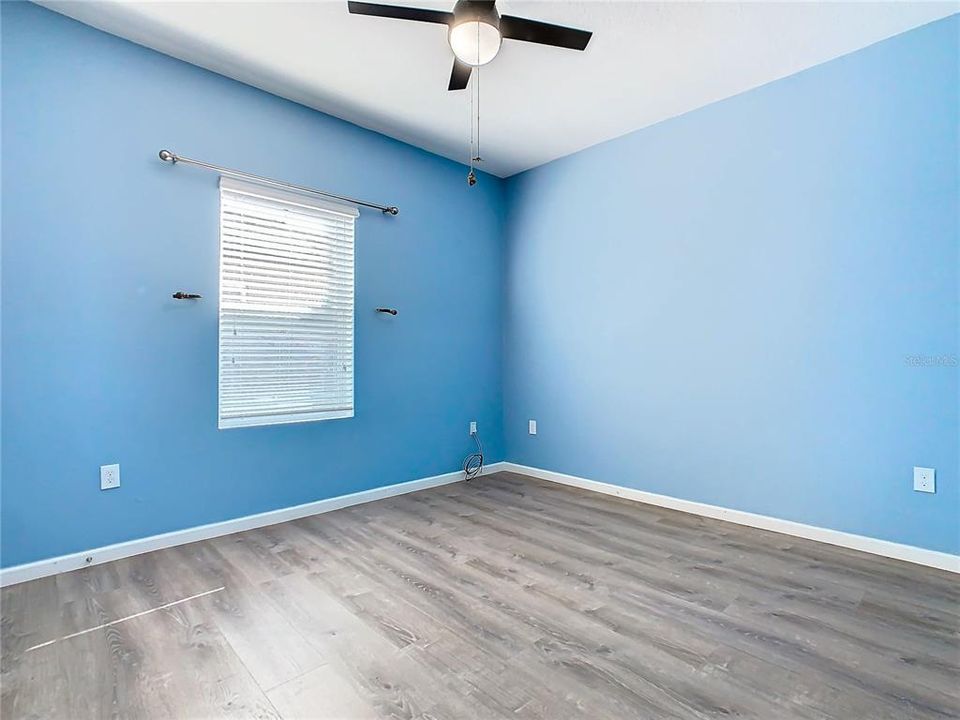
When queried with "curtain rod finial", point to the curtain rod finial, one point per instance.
{"points": [[167, 156]]}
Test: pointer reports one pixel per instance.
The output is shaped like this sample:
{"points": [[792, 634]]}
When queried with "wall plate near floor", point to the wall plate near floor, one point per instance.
{"points": [[924, 479], [532, 427], [109, 477]]}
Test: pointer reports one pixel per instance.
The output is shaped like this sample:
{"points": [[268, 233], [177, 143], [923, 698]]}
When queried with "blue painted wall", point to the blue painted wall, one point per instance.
{"points": [[725, 307], [101, 366]]}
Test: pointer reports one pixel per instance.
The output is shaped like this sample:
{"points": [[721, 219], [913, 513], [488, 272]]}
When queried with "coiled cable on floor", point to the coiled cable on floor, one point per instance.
{"points": [[473, 464]]}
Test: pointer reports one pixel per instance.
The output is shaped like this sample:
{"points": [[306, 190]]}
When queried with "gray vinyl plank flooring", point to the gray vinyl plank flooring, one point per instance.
{"points": [[505, 597]]}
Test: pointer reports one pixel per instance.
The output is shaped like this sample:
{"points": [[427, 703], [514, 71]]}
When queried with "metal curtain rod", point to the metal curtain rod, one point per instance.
{"points": [[173, 158]]}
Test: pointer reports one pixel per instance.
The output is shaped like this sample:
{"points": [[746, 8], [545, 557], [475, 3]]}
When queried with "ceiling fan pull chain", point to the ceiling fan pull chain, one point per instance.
{"points": [[471, 128], [477, 159], [475, 89], [471, 176]]}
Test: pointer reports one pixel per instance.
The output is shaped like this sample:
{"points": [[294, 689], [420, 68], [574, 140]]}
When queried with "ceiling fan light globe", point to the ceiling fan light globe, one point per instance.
{"points": [[475, 42]]}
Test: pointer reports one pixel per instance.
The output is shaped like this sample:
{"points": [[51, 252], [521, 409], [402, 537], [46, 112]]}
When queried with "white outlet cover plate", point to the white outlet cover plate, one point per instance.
{"points": [[924, 479], [109, 477], [473, 428], [532, 427]]}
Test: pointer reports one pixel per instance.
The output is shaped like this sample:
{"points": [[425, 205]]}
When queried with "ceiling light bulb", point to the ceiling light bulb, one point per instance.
{"points": [[474, 42]]}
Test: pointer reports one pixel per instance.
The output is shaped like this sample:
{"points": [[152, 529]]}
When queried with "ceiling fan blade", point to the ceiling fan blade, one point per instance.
{"points": [[399, 13], [543, 33], [459, 76]]}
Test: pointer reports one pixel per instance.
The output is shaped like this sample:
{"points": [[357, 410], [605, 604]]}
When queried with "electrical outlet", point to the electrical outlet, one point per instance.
{"points": [[109, 477], [473, 427], [924, 480], [532, 427]]}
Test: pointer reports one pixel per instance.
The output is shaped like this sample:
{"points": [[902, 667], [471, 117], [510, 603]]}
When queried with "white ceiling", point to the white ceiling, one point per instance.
{"points": [[647, 61]]}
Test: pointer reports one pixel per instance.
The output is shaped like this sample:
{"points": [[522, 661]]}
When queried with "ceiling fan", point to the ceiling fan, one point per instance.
{"points": [[476, 31]]}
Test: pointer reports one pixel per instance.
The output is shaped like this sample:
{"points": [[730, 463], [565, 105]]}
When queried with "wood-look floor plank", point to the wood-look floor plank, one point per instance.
{"points": [[272, 650], [384, 679], [170, 663], [321, 694]]}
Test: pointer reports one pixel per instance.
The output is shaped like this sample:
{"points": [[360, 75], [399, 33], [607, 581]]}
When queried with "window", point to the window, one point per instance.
{"points": [[286, 307]]}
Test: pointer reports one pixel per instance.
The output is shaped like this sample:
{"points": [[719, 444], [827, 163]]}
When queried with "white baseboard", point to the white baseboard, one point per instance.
{"points": [[74, 561], [908, 553]]}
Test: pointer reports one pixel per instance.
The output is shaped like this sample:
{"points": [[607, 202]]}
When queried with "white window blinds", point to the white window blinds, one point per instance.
{"points": [[286, 307]]}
